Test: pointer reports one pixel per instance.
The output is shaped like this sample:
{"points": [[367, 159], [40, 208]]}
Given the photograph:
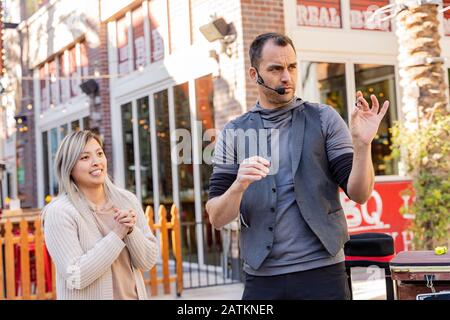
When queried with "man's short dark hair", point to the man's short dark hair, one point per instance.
{"points": [[259, 42]]}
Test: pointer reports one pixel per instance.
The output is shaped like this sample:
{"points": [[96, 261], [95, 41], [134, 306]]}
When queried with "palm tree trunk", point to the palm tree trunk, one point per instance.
{"points": [[424, 85], [422, 78]]}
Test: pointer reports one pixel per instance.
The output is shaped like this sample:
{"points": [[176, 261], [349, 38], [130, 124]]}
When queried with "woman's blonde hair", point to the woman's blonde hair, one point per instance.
{"points": [[68, 154]]}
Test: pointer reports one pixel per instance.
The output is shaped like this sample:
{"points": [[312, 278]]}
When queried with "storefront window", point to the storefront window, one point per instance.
{"points": [[205, 114], [54, 84], [145, 151], [128, 147], [75, 125], [138, 37], [122, 45], [163, 147], [53, 149], [43, 88], [185, 171], [64, 129], [45, 163], [204, 89], [380, 81], [186, 168], [325, 83], [319, 13]]}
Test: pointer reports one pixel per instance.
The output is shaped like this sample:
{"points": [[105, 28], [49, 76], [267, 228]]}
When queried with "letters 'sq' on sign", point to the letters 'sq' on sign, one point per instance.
{"points": [[319, 13]]}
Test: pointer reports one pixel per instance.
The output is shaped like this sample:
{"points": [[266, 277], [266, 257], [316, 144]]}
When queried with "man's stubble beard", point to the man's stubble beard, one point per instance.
{"points": [[280, 100]]}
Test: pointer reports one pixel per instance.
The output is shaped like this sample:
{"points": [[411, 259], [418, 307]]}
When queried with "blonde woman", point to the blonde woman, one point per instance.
{"points": [[95, 232]]}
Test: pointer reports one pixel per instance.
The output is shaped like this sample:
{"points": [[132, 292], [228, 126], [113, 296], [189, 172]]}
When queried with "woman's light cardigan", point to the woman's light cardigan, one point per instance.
{"points": [[83, 257]]}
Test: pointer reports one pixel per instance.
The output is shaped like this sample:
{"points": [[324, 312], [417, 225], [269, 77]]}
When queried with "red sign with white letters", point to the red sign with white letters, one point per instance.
{"points": [[319, 13], [447, 18], [382, 213], [362, 10]]}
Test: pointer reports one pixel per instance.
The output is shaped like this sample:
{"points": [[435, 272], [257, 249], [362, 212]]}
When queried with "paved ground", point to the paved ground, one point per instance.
{"points": [[368, 284]]}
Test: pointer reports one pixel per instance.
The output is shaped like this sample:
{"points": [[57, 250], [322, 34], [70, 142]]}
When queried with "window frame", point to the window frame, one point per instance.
{"points": [[350, 85]]}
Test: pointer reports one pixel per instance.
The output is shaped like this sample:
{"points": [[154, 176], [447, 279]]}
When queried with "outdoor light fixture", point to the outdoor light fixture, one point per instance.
{"points": [[219, 29], [20, 119], [89, 87]]}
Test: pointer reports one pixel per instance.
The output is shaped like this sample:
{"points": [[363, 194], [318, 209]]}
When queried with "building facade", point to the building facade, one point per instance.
{"points": [[64, 48], [341, 50], [173, 86], [161, 82]]}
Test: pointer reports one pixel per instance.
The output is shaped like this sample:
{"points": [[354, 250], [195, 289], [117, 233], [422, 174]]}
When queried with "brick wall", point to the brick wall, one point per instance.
{"points": [[26, 141], [98, 61], [259, 16]]}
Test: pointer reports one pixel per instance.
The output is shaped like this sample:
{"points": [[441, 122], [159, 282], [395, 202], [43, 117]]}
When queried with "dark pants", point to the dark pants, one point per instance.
{"points": [[327, 283]]}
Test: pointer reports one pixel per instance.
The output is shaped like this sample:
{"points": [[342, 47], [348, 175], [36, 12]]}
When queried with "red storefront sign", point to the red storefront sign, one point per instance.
{"points": [[319, 13], [447, 18], [382, 213], [360, 12]]}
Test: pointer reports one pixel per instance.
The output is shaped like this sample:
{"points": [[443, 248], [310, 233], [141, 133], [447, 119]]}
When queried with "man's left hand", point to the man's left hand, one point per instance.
{"points": [[365, 120]]}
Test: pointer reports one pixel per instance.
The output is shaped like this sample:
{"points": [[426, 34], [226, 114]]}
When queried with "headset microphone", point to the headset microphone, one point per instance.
{"points": [[260, 81]]}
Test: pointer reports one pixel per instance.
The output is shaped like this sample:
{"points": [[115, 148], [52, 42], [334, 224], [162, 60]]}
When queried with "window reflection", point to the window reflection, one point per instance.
{"points": [[145, 151], [128, 147], [163, 147], [380, 81], [325, 83], [185, 169], [75, 125], [185, 172], [205, 114], [64, 130]]}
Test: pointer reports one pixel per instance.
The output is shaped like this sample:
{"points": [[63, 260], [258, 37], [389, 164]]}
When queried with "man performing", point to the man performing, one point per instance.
{"points": [[293, 227]]}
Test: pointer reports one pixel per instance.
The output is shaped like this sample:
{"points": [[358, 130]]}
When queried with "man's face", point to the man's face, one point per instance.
{"points": [[278, 68]]}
